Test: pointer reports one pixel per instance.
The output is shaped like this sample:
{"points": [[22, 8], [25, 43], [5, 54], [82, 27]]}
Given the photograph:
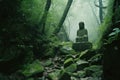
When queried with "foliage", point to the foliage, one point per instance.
{"points": [[20, 36], [113, 36], [104, 27], [21, 40], [117, 12], [33, 10], [32, 69]]}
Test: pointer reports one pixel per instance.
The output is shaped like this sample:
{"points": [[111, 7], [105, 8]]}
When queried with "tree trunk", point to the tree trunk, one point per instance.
{"points": [[63, 16], [44, 17], [111, 64], [115, 8], [101, 11]]}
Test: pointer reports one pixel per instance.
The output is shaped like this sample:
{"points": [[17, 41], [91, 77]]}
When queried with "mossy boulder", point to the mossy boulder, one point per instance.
{"points": [[32, 69]]}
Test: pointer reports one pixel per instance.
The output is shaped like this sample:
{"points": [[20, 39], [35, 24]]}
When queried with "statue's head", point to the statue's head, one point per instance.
{"points": [[81, 25]]}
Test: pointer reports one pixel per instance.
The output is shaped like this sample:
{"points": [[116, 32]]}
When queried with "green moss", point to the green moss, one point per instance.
{"points": [[32, 69], [71, 68], [55, 75], [33, 10], [105, 25]]}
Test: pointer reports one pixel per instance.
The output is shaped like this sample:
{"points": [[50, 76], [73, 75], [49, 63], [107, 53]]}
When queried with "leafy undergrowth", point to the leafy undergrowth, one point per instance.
{"points": [[69, 65], [73, 67]]}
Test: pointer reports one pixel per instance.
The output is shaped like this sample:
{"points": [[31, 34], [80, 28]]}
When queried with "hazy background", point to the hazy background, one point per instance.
{"points": [[86, 11]]}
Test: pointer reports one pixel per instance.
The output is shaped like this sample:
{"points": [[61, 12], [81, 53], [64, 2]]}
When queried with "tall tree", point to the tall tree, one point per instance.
{"points": [[111, 65], [100, 6], [63, 16], [44, 17], [101, 10], [116, 11]]}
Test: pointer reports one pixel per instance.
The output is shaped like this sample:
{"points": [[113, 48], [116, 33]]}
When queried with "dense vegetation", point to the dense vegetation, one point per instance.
{"points": [[31, 49]]}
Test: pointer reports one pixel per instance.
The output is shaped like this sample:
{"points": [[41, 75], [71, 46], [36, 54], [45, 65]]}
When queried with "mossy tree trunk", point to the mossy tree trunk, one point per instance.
{"points": [[44, 17], [63, 17], [111, 64], [101, 11]]}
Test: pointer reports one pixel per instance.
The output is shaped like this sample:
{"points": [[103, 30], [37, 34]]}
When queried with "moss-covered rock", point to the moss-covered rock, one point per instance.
{"points": [[32, 69]]}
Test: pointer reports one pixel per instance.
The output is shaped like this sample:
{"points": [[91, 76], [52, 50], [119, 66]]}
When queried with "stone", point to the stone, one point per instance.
{"points": [[81, 46], [66, 48], [82, 39], [82, 33], [82, 42]]}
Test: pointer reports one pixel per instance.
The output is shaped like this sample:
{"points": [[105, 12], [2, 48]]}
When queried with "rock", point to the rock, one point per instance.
{"points": [[33, 69], [80, 39], [66, 48], [81, 46]]}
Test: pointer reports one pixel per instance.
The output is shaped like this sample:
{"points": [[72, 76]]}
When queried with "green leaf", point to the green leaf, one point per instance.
{"points": [[79, 62], [71, 68]]}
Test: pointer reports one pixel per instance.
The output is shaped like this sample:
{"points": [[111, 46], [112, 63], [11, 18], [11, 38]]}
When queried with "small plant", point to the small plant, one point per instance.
{"points": [[113, 36]]}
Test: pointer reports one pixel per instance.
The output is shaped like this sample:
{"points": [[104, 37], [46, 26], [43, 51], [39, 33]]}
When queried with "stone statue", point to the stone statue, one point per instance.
{"points": [[82, 33], [82, 43]]}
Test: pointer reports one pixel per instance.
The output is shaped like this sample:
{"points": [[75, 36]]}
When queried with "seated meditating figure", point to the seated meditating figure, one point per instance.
{"points": [[82, 43], [82, 33]]}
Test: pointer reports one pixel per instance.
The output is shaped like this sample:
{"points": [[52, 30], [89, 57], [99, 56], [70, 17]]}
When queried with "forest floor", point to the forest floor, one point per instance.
{"points": [[85, 65]]}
